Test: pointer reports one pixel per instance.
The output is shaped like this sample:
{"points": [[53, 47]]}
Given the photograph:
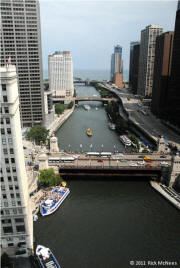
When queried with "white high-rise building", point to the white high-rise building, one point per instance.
{"points": [[16, 213], [146, 59], [61, 74]]}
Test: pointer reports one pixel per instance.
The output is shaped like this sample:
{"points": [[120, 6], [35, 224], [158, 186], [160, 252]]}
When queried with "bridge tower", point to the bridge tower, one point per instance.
{"points": [[43, 161], [162, 146], [175, 165], [54, 145]]}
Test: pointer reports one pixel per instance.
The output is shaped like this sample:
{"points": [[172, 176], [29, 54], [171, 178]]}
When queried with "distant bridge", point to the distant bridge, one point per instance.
{"points": [[106, 100]]}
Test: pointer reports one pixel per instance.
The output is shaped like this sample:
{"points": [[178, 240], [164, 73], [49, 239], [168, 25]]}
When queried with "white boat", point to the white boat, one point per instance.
{"points": [[46, 258], [96, 108], [125, 140], [94, 95], [112, 126], [87, 107], [54, 200]]}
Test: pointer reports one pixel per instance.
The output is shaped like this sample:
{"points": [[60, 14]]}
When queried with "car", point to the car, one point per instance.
{"points": [[24, 147], [163, 156], [148, 165], [133, 165], [141, 156], [123, 160], [163, 164], [100, 160], [141, 162]]}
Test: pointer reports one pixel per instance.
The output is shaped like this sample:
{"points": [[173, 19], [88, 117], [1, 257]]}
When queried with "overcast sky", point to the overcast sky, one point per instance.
{"points": [[90, 29]]}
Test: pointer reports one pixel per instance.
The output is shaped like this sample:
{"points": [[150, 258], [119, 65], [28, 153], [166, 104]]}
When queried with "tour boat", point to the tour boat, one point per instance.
{"points": [[89, 132], [54, 200], [125, 140], [112, 126], [46, 258], [87, 107]]}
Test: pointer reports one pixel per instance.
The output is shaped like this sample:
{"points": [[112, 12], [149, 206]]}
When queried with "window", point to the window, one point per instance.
{"points": [[10, 244], [7, 211], [13, 203], [2, 131], [19, 220], [10, 141], [17, 195], [11, 151], [6, 160], [12, 195], [19, 203], [8, 169], [15, 178], [5, 151], [10, 187], [16, 187], [3, 87], [4, 196], [12, 160], [6, 221], [5, 98], [20, 228], [7, 229], [14, 169], [2, 179], [3, 187], [6, 110], [2, 121], [6, 204], [7, 120], [9, 178], [8, 131], [2, 212], [4, 141], [14, 211]]}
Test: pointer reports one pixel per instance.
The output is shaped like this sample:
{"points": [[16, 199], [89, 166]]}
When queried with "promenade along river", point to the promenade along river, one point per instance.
{"points": [[107, 223]]}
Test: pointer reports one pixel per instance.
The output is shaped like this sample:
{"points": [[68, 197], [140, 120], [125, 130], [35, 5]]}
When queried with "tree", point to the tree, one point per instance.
{"points": [[121, 125], [59, 108], [75, 94], [37, 134], [70, 105], [48, 177], [5, 260]]}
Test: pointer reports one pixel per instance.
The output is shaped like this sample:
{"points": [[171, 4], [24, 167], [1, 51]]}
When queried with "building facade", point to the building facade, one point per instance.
{"points": [[117, 67], [60, 68], [16, 214], [132, 44], [21, 41], [146, 59], [162, 72], [173, 95], [134, 65]]}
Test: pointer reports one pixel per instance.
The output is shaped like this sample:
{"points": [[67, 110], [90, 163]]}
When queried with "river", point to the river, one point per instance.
{"points": [[106, 223]]}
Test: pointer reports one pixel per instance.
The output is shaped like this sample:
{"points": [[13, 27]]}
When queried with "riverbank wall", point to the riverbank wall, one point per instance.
{"points": [[59, 121]]}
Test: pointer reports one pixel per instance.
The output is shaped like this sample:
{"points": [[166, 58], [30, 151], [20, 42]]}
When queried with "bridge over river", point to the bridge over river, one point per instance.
{"points": [[77, 99], [127, 165]]}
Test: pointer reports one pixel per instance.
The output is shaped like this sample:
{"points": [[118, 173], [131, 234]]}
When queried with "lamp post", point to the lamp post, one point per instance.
{"points": [[81, 146], [91, 146], [114, 148], [102, 146], [69, 148]]}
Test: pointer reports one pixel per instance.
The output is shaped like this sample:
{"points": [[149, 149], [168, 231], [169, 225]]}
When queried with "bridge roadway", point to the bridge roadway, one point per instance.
{"points": [[77, 99], [111, 166]]}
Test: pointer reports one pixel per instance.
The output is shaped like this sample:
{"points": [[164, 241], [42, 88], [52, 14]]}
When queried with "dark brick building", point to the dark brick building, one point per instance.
{"points": [[173, 94], [162, 72]]}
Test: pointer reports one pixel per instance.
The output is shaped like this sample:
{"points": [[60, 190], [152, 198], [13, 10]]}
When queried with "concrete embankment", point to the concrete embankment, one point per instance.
{"points": [[59, 121], [167, 192]]}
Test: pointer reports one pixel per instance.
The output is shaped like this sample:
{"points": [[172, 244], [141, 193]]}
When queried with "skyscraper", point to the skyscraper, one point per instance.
{"points": [[132, 44], [16, 213], [146, 59], [134, 65], [173, 95], [21, 41], [162, 72], [116, 65], [60, 67]]}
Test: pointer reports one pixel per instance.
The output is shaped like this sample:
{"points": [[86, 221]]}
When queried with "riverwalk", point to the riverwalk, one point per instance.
{"points": [[170, 194]]}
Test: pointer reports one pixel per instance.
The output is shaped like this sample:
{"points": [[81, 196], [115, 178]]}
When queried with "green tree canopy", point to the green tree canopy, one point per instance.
{"points": [[48, 177], [59, 108], [37, 134], [70, 105]]}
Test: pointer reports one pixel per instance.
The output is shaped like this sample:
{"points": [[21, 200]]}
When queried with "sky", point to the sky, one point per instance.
{"points": [[91, 29]]}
